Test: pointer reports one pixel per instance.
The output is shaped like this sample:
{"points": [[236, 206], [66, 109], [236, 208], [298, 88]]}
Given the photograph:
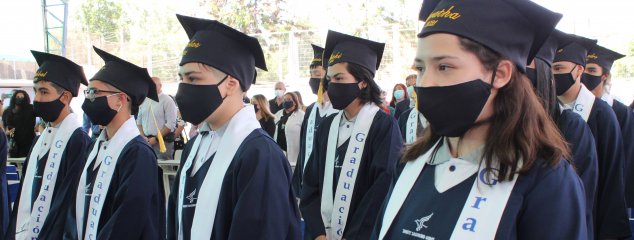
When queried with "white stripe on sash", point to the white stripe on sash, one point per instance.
{"points": [[30, 222], [481, 214], [349, 171], [584, 103], [239, 127], [310, 130], [108, 159]]}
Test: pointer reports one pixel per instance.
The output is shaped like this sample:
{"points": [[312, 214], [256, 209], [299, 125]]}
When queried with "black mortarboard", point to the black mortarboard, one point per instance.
{"points": [[318, 53], [59, 70], [345, 48], [603, 57], [129, 78], [222, 47], [515, 29], [556, 40], [576, 51]]}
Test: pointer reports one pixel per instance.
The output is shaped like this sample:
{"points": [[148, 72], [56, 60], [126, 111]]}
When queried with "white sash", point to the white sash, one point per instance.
{"points": [[239, 127], [30, 222], [480, 215], [109, 157], [584, 103], [278, 117], [310, 130], [608, 99], [412, 125], [349, 171]]}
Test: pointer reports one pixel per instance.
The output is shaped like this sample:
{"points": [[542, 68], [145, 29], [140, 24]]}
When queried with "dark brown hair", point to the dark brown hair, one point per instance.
{"points": [[372, 93], [295, 99], [519, 128]]}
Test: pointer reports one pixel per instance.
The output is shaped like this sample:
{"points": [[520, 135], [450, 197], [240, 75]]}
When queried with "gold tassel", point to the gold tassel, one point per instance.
{"points": [[159, 135], [415, 97], [320, 92]]}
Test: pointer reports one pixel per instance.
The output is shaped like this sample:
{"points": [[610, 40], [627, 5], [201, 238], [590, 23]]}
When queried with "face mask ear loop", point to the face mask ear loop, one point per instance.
{"points": [[221, 81]]}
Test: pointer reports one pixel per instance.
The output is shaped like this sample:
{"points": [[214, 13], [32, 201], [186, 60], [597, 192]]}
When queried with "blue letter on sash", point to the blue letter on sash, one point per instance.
{"points": [[470, 224]]}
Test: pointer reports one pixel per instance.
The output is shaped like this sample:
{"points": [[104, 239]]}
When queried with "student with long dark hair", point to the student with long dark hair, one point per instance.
{"points": [[19, 122], [355, 151], [571, 125], [487, 165]]}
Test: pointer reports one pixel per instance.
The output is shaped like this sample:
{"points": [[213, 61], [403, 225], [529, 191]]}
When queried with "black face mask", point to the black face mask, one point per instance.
{"points": [[287, 105], [453, 110], [197, 102], [98, 110], [48, 111], [314, 84], [342, 94], [531, 73], [564, 81], [590, 81], [20, 101]]}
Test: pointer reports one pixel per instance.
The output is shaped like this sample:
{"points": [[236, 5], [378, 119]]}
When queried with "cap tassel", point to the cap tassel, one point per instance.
{"points": [[320, 92], [159, 135], [415, 97]]}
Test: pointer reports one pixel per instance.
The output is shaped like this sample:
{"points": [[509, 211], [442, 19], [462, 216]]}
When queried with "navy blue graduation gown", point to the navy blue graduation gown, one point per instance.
{"points": [[625, 117], [4, 193], [135, 203], [256, 200], [71, 165], [611, 220], [546, 203], [297, 174], [378, 164], [584, 157], [401, 107]]}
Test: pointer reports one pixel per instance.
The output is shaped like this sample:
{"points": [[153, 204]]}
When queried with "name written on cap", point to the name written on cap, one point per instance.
{"points": [[40, 74], [334, 57], [442, 13], [593, 56]]}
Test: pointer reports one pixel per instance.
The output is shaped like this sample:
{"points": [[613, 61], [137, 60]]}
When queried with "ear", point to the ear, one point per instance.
{"points": [[233, 86], [605, 77], [363, 85], [66, 97], [503, 74], [580, 70]]}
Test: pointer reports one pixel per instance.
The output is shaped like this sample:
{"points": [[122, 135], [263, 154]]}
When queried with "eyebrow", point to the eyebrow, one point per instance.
{"points": [[188, 73], [436, 58], [592, 68], [336, 75]]}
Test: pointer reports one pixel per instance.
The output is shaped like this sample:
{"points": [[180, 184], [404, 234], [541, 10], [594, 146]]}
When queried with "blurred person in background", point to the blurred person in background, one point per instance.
{"points": [[19, 122]]}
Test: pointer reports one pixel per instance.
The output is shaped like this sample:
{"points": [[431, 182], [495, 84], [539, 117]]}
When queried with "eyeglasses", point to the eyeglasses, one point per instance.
{"points": [[92, 93]]}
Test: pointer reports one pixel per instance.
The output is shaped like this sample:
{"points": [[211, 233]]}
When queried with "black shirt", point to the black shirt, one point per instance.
{"points": [[274, 107]]}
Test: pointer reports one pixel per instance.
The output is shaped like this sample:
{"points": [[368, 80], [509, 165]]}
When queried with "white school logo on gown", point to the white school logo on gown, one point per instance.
{"points": [[420, 223]]}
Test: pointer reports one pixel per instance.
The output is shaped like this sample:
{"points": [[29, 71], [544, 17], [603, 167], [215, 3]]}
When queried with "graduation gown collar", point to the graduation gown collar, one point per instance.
{"points": [[452, 171]]}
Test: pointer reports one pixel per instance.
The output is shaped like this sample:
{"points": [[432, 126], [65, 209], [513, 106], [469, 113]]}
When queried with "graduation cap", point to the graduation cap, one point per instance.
{"points": [[603, 57], [318, 55], [515, 29], [222, 47], [557, 40], [345, 48], [576, 51], [129, 78], [59, 70]]}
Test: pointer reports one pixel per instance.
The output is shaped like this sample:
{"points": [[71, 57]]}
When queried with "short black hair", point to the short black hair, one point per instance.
{"points": [[57, 87], [372, 93]]}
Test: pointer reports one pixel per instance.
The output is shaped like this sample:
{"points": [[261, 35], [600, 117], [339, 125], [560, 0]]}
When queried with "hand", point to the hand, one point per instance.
{"points": [[321, 237], [152, 141], [146, 139]]}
